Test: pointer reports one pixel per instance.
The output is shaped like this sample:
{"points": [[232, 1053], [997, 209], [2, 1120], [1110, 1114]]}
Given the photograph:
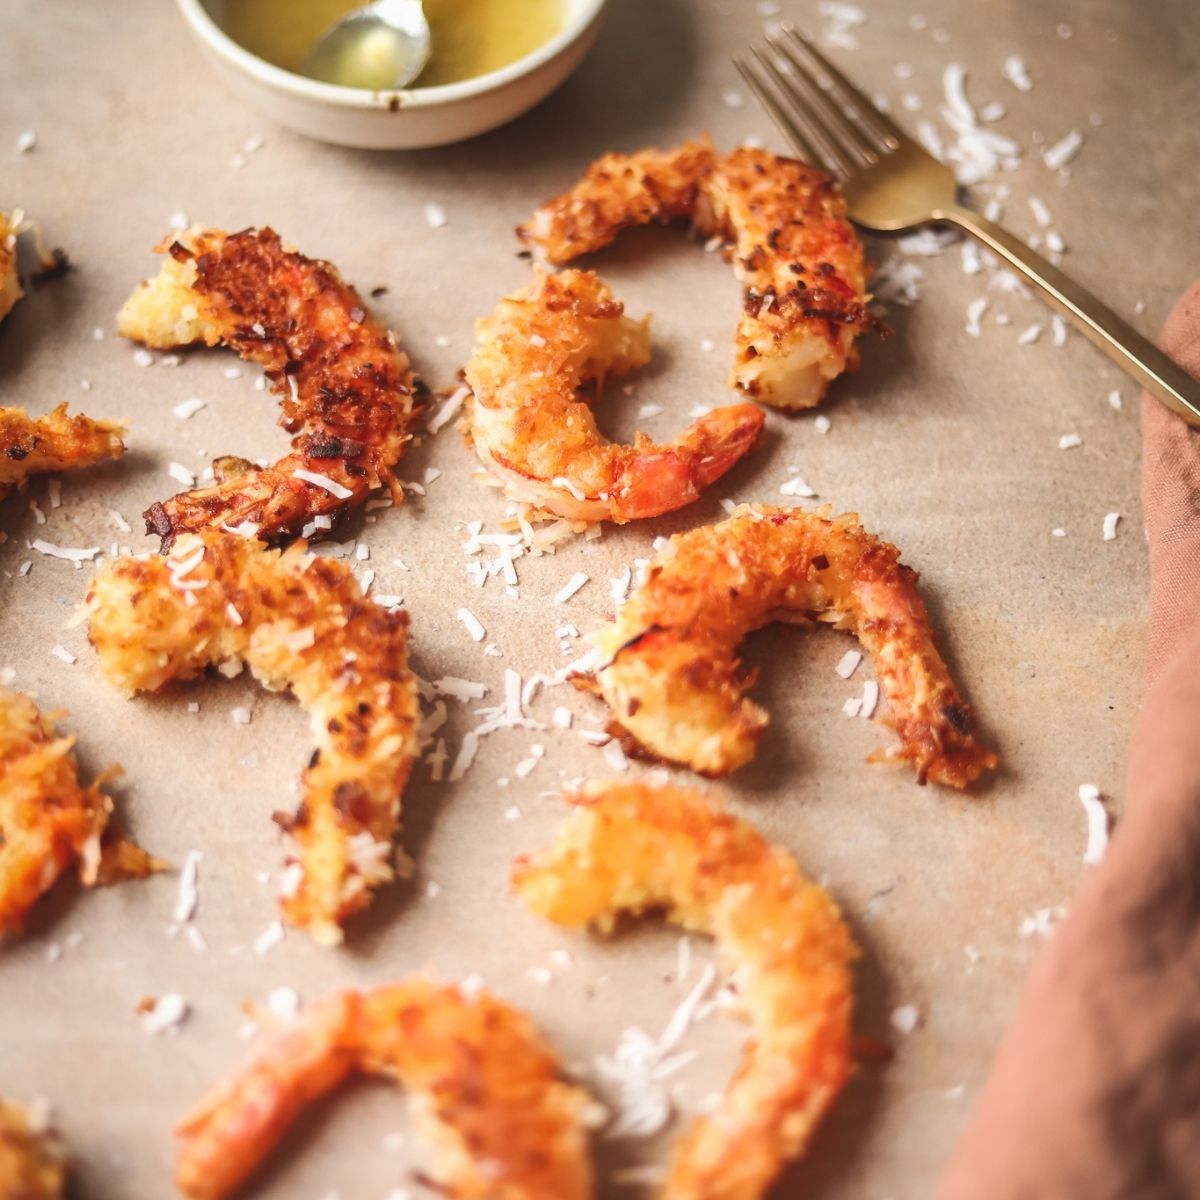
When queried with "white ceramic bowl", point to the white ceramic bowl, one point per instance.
{"points": [[405, 119]]}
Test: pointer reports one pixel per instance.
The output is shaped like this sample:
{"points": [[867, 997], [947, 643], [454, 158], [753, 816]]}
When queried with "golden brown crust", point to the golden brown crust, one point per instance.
{"points": [[48, 821], [55, 442], [799, 259], [346, 387], [673, 681], [301, 622], [10, 283], [33, 1162], [629, 848], [533, 430], [504, 1124]]}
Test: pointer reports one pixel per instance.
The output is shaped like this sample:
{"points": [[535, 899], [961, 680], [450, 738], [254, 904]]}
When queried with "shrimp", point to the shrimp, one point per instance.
{"points": [[671, 676], [631, 847], [798, 258], [300, 622], [48, 820], [534, 432], [486, 1089], [347, 388], [55, 442], [33, 1161]]}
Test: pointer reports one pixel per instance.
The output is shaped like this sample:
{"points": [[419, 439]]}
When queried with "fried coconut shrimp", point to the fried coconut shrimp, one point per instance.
{"points": [[33, 1162], [56, 442], [301, 622], [627, 848], [784, 223], [533, 430], [484, 1087], [10, 284], [347, 388], [49, 822], [671, 675]]}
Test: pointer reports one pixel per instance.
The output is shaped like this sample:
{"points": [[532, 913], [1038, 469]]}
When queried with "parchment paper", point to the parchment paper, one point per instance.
{"points": [[944, 443]]}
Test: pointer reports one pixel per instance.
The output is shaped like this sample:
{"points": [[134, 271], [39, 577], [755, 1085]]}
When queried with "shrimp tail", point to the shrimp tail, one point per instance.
{"points": [[229, 1133], [659, 480]]}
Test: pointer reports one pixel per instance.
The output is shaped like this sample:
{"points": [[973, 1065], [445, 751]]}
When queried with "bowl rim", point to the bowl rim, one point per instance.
{"points": [[206, 28]]}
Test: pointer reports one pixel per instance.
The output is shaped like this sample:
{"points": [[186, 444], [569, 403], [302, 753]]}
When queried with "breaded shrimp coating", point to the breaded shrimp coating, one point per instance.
{"points": [[628, 848], [55, 442], [346, 387], [10, 283], [533, 429], [299, 622], [486, 1091], [33, 1162], [785, 227], [670, 670], [49, 822]]}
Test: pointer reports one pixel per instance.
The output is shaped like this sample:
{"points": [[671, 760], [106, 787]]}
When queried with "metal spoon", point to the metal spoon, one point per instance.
{"points": [[379, 46]]}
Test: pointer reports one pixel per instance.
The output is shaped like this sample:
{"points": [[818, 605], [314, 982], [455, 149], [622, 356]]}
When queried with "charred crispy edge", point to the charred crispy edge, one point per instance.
{"points": [[201, 508]]}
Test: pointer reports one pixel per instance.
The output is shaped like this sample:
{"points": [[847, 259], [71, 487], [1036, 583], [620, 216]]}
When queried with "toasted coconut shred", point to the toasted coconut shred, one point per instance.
{"points": [[487, 1093], [49, 822], [346, 387], [302, 622], [630, 848]]}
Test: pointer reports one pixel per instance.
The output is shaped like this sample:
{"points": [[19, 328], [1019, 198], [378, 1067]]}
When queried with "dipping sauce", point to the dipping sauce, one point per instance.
{"points": [[470, 37]]}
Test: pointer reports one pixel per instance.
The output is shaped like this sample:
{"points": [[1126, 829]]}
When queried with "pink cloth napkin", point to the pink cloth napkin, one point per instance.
{"points": [[1095, 1091]]}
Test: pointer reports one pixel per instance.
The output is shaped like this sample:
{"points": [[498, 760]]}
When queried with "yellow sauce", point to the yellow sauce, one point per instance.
{"points": [[470, 37]]}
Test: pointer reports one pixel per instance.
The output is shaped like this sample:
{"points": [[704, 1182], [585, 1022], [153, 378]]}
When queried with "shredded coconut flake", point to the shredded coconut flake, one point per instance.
{"points": [[848, 663], [571, 587], [189, 896], [164, 1014], [323, 481], [1097, 822], [1063, 151], [181, 474], [1110, 525], [905, 1019], [472, 624], [188, 408], [1069, 441], [1017, 73], [69, 553]]}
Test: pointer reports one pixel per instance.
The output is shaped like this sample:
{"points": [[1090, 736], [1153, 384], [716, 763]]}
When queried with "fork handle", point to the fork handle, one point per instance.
{"points": [[1099, 324]]}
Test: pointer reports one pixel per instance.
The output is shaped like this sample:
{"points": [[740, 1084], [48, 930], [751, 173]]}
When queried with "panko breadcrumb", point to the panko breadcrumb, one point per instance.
{"points": [[785, 228], [346, 386], [487, 1092], [669, 668], [299, 622], [629, 848], [55, 442], [33, 1161], [48, 821]]}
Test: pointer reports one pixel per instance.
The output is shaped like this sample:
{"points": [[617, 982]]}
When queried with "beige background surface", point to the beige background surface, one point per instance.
{"points": [[946, 444]]}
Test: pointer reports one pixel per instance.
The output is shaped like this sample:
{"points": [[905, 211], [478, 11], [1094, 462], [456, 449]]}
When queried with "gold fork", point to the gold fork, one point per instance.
{"points": [[892, 184]]}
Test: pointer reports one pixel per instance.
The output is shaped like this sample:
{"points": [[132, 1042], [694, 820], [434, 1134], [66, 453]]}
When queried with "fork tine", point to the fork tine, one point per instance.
{"points": [[889, 135], [830, 155], [782, 118], [850, 131], [822, 115]]}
